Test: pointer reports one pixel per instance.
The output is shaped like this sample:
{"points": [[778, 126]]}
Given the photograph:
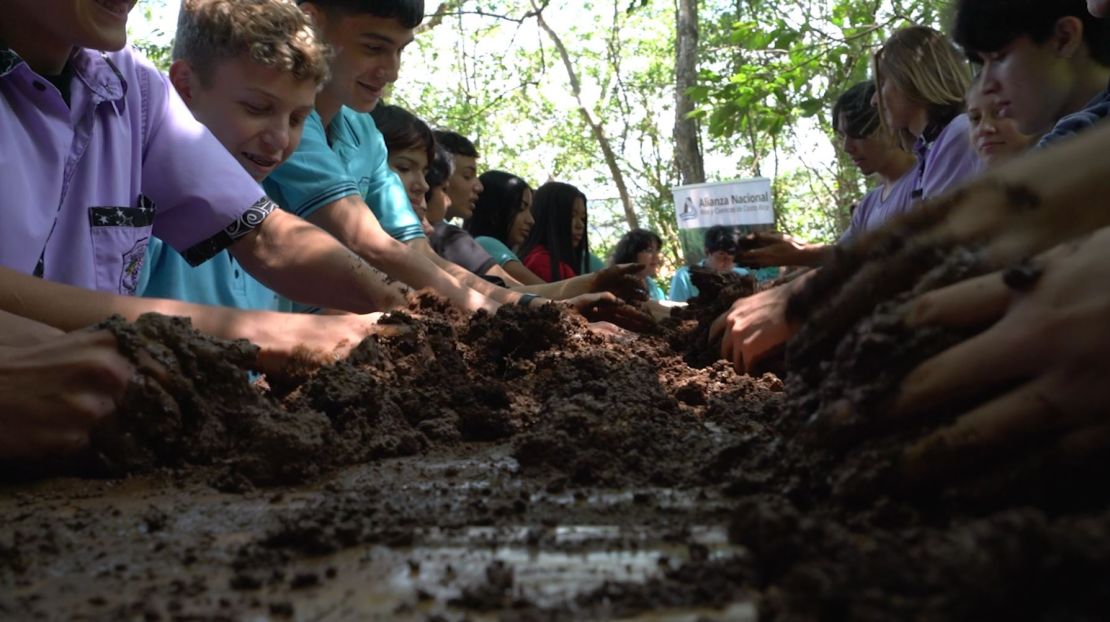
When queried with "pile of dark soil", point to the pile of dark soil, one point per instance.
{"points": [[513, 425]]}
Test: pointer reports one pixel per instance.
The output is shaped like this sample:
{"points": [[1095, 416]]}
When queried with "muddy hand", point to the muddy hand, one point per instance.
{"points": [[310, 341], [755, 326], [53, 393], [622, 282], [1040, 374], [605, 307], [765, 250]]}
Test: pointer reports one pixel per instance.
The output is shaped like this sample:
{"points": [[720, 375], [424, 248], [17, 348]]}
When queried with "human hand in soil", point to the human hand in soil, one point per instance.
{"points": [[605, 307], [621, 281], [1040, 373], [53, 393], [304, 341], [754, 326]]}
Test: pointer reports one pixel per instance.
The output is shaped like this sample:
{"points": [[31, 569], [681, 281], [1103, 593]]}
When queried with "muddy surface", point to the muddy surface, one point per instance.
{"points": [[524, 467]]}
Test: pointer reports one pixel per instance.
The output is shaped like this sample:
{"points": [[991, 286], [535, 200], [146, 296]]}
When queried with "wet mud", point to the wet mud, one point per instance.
{"points": [[524, 467]]}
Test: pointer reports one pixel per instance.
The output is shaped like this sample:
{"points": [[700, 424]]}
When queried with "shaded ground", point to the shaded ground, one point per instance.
{"points": [[521, 467]]}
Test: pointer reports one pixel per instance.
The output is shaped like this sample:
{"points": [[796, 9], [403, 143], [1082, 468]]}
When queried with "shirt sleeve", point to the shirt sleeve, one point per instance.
{"points": [[497, 249], [681, 288], [203, 198], [458, 247], [951, 161], [360, 145], [314, 176]]}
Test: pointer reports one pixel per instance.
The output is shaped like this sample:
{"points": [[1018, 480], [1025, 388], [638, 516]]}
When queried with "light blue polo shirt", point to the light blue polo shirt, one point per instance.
{"points": [[349, 158], [496, 248], [219, 281]]}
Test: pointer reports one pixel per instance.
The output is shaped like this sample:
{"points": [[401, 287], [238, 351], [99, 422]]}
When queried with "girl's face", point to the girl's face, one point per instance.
{"points": [[651, 260], [438, 203], [577, 223], [411, 165], [994, 138], [523, 222], [898, 111]]}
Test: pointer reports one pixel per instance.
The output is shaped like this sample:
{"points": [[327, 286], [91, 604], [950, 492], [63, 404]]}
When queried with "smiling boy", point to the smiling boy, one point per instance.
{"points": [[249, 70], [1045, 62]]}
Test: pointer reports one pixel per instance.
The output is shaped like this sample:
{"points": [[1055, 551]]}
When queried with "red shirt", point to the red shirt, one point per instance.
{"points": [[538, 260]]}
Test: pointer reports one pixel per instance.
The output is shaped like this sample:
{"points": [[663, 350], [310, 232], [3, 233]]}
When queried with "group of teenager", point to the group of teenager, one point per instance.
{"points": [[262, 190]]}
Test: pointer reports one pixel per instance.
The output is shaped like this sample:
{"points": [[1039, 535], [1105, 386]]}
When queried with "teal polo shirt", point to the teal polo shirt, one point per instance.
{"points": [[496, 249], [219, 281], [348, 158]]}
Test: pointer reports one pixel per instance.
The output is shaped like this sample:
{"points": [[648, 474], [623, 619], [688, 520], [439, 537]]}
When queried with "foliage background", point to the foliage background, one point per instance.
{"points": [[768, 74]]}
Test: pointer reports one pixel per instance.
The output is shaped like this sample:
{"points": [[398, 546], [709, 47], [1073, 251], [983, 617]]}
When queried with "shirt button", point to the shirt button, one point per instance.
{"points": [[39, 85]]}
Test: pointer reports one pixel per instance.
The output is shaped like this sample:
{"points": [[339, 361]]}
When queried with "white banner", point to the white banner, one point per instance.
{"points": [[737, 202]]}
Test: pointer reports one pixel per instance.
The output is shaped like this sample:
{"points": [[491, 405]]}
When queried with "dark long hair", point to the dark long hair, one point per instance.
{"points": [[403, 130], [633, 243], [552, 207], [497, 206]]}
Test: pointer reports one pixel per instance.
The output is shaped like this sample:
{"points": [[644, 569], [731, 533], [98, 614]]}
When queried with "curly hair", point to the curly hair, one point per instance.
{"points": [[272, 33]]}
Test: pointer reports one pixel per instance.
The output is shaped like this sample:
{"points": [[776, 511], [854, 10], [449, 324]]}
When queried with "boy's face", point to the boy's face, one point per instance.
{"points": [[439, 203], [869, 153], [1029, 82], [93, 24], [463, 187], [256, 112], [367, 55], [721, 261]]}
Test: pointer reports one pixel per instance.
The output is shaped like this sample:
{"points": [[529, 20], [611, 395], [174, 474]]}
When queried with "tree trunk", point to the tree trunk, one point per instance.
{"points": [[595, 127], [687, 147]]}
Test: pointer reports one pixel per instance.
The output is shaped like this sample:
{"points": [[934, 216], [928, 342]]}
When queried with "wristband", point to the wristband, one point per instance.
{"points": [[526, 299]]}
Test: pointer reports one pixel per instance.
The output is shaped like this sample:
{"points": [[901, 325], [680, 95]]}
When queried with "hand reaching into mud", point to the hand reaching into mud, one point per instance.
{"points": [[605, 307], [767, 250], [54, 392], [622, 282], [309, 341], [1040, 374], [755, 326]]}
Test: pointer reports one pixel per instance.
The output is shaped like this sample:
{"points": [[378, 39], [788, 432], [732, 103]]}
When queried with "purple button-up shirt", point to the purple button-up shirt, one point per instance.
{"points": [[82, 187], [947, 161]]}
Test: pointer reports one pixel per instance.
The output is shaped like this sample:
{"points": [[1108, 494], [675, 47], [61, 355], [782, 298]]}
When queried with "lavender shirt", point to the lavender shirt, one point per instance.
{"points": [[83, 187], [874, 210], [947, 161]]}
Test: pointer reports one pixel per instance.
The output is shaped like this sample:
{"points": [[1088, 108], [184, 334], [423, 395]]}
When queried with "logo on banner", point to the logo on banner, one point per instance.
{"points": [[689, 212]]}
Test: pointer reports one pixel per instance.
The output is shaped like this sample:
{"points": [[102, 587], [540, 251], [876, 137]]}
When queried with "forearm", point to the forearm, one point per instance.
{"points": [[38, 299], [560, 290], [20, 331], [305, 263], [504, 275], [353, 224], [522, 274], [464, 276]]}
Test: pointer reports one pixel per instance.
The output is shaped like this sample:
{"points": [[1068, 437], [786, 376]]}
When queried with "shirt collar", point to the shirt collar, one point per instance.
{"points": [[8, 59], [95, 70]]}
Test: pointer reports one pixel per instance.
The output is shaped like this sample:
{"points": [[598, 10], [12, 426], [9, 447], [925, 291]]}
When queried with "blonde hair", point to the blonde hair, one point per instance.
{"points": [[928, 69], [272, 33]]}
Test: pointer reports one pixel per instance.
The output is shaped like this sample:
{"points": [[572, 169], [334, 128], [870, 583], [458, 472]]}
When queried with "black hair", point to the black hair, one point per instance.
{"points": [[990, 25], [439, 170], [721, 238], [861, 118], [552, 208], [409, 12], [632, 244], [456, 143], [403, 130], [497, 206]]}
